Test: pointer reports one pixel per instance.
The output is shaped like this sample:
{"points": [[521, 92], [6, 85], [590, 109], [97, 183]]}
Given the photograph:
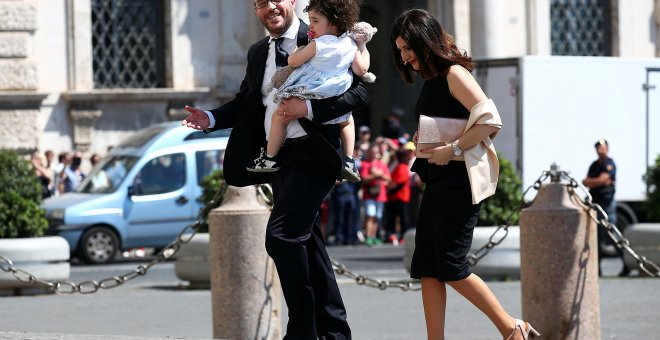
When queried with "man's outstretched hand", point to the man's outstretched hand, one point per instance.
{"points": [[198, 119]]}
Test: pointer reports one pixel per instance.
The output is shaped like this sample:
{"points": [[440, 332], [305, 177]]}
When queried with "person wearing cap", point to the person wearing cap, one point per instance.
{"points": [[409, 146], [601, 180], [363, 138]]}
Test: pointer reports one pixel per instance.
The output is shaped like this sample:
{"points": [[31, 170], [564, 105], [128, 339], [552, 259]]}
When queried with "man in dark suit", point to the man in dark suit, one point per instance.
{"points": [[310, 164]]}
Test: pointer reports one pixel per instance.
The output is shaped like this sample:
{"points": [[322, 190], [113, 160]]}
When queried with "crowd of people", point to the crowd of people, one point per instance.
{"points": [[61, 175], [383, 204]]}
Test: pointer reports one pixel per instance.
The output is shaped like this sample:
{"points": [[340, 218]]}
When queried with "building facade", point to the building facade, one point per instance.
{"points": [[85, 74]]}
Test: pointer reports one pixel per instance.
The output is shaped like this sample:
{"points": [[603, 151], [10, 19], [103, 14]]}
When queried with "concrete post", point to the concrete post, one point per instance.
{"points": [[245, 288], [559, 266]]}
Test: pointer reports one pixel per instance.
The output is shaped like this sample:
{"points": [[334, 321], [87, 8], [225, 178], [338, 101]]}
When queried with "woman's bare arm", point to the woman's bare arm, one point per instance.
{"points": [[467, 91]]}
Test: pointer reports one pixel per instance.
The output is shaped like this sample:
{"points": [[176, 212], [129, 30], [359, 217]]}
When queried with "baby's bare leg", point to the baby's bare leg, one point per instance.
{"points": [[347, 136], [276, 136]]}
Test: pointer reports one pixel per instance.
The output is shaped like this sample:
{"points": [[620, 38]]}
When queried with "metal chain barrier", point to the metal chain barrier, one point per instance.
{"points": [[405, 285], [414, 284], [89, 287], [474, 258], [265, 193], [596, 210]]}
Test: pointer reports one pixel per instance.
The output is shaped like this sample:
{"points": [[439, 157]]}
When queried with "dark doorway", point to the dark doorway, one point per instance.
{"points": [[389, 90]]}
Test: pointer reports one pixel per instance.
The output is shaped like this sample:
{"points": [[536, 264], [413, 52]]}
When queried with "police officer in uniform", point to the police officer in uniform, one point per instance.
{"points": [[601, 180]]}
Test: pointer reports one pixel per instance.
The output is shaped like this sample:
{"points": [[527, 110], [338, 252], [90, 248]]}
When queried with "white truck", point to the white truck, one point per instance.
{"points": [[555, 108]]}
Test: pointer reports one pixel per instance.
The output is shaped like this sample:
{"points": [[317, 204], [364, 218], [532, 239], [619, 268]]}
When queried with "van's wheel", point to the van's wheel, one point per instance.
{"points": [[98, 245]]}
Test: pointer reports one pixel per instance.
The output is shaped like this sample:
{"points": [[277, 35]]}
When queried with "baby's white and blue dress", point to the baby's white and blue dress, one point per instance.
{"points": [[327, 74]]}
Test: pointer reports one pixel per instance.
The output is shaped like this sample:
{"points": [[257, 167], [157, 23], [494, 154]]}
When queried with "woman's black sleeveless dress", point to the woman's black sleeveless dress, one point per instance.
{"points": [[446, 216]]}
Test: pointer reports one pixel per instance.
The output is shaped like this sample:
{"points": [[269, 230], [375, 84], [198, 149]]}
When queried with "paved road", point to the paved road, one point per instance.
{"points": [[156, 306]]}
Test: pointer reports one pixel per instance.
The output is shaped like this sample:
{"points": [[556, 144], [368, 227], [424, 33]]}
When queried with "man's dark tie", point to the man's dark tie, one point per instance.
{"points": [[281, 56]]}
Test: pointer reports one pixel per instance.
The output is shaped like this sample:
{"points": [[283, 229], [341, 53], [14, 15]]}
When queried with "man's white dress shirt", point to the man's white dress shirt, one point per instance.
{"points": [[294, 129]]}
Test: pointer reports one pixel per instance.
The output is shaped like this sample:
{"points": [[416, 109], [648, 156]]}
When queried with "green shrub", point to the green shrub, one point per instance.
{"points": [[214, 184], [21, 214], [497, 208], [211, 184], [653, 199]]}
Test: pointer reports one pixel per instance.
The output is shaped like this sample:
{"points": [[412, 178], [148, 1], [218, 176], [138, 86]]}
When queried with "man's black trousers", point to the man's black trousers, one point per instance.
{"points": [[295, 243]]}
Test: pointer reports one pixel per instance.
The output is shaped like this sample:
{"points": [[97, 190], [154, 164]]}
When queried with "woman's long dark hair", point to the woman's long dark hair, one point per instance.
{"points": [[435, 49]]}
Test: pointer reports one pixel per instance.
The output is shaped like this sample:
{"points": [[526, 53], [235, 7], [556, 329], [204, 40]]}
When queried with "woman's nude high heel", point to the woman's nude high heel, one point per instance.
{"points": [[520, 327]]}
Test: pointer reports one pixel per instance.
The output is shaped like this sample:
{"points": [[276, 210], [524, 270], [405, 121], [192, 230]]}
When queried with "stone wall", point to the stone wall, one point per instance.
{"points": [[46, 55], [18, 20], [25, 139], [13, 45], [19, 80]]}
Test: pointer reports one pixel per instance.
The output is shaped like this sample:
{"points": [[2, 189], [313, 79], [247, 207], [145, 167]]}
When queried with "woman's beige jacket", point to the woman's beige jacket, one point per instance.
{"points": [[481, 160]]}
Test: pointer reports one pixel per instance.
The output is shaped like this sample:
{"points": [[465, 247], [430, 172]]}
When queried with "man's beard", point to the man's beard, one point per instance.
{"points": [[281, 30]]}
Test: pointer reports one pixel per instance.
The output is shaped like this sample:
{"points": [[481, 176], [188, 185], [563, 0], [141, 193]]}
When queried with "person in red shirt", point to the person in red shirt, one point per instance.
{"points": [[398, 197], [375, 177]]}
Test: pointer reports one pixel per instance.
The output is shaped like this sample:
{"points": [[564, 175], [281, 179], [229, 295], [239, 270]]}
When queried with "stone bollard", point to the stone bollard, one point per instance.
{"points": [[245, 288], [559, 266]]}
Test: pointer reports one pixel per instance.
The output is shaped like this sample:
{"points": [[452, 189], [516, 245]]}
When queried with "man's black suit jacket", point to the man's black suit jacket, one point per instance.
{"points": [[245, 113]]}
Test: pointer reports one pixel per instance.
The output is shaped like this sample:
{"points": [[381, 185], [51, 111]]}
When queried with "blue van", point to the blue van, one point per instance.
{"points": [[142, 194]]}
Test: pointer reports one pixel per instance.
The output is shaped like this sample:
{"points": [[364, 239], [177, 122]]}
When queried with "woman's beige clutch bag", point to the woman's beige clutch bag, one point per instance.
{"points": [[436, 131]]}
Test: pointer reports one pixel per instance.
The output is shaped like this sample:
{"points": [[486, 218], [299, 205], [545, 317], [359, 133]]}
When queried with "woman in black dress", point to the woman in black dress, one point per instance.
{"points": [[448, 212]]}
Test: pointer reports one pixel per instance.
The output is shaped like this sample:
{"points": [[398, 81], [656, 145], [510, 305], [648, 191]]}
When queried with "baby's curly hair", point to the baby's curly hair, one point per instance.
{"points": [[341, 13]]}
